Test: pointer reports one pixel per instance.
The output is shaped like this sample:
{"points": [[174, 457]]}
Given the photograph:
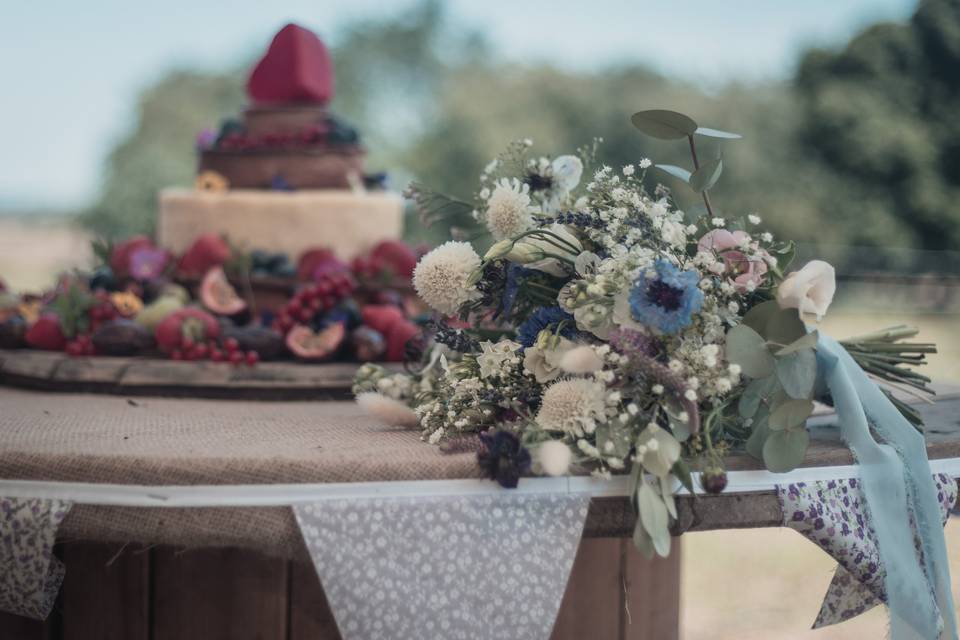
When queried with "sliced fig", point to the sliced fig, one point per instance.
{"points": [[322, 345], [122, 338], [218, 295], [266, 342]]}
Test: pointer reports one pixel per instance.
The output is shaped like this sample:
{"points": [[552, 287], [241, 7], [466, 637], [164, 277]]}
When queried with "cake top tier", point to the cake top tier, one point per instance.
{"points": [[295, 70]]}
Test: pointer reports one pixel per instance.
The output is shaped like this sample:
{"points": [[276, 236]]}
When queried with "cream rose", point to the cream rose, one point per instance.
{"points": [[810, 289]]}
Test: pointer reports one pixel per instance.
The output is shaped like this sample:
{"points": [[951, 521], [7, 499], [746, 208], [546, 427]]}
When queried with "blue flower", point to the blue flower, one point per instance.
{"points": [[666, 300], [515, 275], [544, 318]]}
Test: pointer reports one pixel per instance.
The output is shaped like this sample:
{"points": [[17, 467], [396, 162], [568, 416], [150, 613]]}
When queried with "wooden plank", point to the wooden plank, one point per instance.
{"points": [[106, 592], [615, 592], [310, 614], [651, 594], [591, 603], [32, 364], [218, 594], [19, 628], [100, 369]]}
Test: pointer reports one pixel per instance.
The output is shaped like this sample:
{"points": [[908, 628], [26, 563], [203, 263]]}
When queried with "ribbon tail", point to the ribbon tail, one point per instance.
{"points": [[897, 484]]}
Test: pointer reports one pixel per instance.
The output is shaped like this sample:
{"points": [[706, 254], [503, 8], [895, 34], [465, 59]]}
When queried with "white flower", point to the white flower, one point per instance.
{"points": [[754, 218], [718, 222], [567, 171], [629, 170], [810, 289], [509, 212], [569, 248], [442, 277], [766, 236], [645, 163], [390, 412], [586, 263], [554, 457], [572, 406], [544, 364], [673, 233], [581, 359], [493, 355]]}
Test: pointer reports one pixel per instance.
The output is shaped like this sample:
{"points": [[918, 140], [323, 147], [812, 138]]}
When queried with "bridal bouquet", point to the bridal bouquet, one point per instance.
{"points": [[605, 330]]}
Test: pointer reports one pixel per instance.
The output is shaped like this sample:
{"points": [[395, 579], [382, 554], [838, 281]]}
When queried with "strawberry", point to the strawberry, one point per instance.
{"points": [[46, 333], [397, 338], [206, 252], [381, 317], [397, 256]]}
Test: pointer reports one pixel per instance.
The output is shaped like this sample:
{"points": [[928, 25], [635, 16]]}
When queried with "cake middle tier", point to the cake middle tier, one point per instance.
{"points": [[289, 221]]}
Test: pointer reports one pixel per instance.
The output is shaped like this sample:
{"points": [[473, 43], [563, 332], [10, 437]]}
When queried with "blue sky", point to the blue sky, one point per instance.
{"points": [[71, 70]]}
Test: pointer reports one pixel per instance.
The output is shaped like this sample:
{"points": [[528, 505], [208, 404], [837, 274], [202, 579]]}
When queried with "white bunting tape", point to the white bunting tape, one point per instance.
{"points": [[267, 495]]}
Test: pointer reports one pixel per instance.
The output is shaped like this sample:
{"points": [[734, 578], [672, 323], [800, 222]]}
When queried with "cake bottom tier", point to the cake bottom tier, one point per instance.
{"points": [[292, 222]]}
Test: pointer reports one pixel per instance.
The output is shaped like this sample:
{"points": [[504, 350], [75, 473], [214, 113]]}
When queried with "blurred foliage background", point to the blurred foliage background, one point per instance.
{"points": [[861, 147]]}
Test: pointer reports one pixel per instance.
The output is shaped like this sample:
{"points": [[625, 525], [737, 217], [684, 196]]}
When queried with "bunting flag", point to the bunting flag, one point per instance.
{"points": [[457, 567], [30, 576], [832, 514]]}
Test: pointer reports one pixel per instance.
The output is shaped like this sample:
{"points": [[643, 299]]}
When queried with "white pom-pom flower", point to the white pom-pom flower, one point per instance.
{"points": [[554, 457], [442, 277], [581, 359], [509, 212], [390, 412], [572, 406]]}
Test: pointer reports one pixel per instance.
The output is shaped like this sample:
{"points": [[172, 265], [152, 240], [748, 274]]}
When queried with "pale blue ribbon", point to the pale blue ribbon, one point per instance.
{"points": [[896, 482]]}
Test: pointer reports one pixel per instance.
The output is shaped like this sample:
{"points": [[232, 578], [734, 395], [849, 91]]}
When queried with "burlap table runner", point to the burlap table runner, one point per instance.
{"points": [[156, 441]]}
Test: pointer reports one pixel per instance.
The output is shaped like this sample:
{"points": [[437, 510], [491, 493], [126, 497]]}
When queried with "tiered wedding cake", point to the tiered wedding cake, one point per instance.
{"points": [[289, 176]]}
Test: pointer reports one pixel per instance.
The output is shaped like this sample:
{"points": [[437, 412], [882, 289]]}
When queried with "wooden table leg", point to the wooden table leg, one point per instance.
{"points": [[615, 593], [106, 592]]}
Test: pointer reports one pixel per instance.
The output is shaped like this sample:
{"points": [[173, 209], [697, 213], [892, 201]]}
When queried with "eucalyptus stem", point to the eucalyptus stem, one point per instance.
{"points": [[696, 166]]}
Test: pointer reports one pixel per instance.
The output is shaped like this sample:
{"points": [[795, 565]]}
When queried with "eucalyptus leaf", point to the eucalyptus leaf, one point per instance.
{"points": [[664, 124], [758, 437], [755, 393], [642, 541], [682, 473], [784, 450], [746, 348], [808, 341], [790, 414], [613, 440], [797, 373], [707, 175], [675, 171], [717, 133], [785, 327], [759, 316], [668, 500], [656, 521]]}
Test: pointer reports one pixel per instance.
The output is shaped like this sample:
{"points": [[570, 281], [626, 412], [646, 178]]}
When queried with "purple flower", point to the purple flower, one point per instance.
{"points": [[503, 458], [148, 263]]}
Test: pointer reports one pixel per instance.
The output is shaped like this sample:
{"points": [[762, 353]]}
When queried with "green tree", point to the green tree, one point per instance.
{"points": [[881, 116]]}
